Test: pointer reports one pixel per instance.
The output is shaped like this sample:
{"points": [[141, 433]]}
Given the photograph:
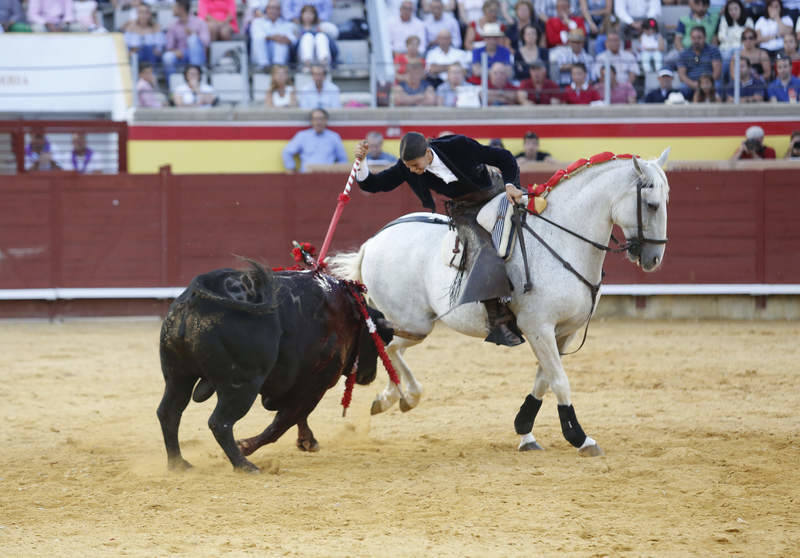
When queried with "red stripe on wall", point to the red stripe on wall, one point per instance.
{"points": [[577, 130]]}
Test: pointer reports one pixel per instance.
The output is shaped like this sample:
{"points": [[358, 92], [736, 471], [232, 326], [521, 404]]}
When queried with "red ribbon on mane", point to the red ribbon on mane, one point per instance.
{"points": [[562, 174]]}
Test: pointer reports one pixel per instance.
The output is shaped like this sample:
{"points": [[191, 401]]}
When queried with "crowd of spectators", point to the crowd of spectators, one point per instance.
{"points": [[536, 52], [556, 51]]}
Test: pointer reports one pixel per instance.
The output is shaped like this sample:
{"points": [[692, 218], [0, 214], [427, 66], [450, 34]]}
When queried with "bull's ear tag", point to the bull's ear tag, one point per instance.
{"points": [[539, 204]]}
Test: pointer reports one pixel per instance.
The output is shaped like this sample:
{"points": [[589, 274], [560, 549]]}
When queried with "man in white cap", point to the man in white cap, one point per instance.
{"points": [[492, 33], [753, 146], [661, 94]]}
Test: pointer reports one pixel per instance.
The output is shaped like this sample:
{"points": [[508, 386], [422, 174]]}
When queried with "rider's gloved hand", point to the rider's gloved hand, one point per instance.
{"points": [[515, 195]]}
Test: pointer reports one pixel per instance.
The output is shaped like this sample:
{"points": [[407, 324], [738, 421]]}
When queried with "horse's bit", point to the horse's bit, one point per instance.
{"points": [[633, 247]]}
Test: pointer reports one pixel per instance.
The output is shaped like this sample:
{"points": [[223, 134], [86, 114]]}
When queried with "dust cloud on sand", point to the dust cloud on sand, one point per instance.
{"points": [[699, 421]]}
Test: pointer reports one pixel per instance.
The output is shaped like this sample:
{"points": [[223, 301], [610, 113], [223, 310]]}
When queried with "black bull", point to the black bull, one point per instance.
{"points": [[288, 336]]}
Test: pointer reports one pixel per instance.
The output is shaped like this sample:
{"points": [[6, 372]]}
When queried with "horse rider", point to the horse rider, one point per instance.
{"points": [[455, 166]]}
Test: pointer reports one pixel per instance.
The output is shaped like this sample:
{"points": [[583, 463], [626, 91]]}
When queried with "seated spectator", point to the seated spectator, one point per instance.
{"points": [[51, 15], [558, 28], [699, 59], [732, 24], [530, 151], [82, 159], [537, 89], [664, 89], [316, 145], [290, 11], [624, 61], [759, 59], [443, 55], [401, 60], [545, 9], [698, 16], [634, 13], [579, 92], [193, 92], [12, 18], [313, 44], [187, 39], [528, 52], [501, 90], [705, 91], [281, 92], [145, 37], [524, 16], [491, 12], [566, 58], [652, 47], [596, 13], [320, 93], [439, 20], [771, 28], [786, 87], [405, 25], [375, 153], [455, 91], [271, 36], [147, 92], [791, 52], [492, 34], [220, 16], [753, 146], [39, 154], [86, 17], [416, 90], [621, 92], [752, 89], [793, 151]]}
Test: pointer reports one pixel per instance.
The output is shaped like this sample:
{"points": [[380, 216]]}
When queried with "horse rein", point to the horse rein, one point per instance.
{"points": [[634, 247]]}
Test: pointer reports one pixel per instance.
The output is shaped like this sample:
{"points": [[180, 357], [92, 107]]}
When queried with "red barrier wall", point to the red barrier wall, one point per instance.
{"points": [[65, 230]]}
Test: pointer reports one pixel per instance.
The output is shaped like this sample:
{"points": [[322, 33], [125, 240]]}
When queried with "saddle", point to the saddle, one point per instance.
{"points": [[495, 216]]}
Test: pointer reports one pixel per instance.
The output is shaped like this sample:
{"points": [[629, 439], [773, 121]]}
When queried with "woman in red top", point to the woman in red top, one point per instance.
{"points": [[491, 12], [558, 27], [220, 15]]}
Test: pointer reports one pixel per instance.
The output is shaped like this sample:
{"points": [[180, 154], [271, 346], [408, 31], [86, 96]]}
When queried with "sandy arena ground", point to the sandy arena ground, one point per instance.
{"points": [[699, 421]]}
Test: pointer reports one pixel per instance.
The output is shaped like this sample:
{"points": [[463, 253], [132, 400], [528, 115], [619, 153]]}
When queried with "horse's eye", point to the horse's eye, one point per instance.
{"points": [[652, 206]]}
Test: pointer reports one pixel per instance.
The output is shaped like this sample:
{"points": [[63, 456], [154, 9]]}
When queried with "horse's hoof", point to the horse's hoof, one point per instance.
{"points": [[308, 445], [179, 464], [247, 467], [404, 405], [376, 407], [591, 451], [530, 446]]}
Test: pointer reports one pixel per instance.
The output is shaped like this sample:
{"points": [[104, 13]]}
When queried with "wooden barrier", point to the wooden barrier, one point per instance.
{"points": [[62, 230]]}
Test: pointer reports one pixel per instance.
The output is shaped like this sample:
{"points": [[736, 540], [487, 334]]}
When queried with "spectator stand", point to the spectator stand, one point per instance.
{"points": [[108, 140]]}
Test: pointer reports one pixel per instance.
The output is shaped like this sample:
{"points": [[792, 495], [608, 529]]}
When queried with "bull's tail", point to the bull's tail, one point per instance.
{"points": [[347, 265]]}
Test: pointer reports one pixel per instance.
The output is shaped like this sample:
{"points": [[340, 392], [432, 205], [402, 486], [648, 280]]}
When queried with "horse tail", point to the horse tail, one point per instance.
{"points": [[347, 265]]}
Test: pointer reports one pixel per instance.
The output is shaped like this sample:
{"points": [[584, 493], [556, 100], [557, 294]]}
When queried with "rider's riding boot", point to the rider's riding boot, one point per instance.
{"points": [[502, 324]]}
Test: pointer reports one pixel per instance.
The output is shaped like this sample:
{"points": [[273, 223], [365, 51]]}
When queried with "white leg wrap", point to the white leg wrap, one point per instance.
{"points": [[526, 439], [588, 442]]}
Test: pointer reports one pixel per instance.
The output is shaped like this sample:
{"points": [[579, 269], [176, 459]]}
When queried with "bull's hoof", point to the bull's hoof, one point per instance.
{"points": [[530, 446], [179, 464], [308, 445], [246, 446], [246, 467], [591, 451]]}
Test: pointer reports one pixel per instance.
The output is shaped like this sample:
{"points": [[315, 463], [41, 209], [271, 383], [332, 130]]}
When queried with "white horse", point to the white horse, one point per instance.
{"points": [[409, 280]]}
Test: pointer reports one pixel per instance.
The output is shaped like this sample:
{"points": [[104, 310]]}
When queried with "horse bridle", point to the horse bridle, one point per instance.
{"points": [[633, 247]]}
